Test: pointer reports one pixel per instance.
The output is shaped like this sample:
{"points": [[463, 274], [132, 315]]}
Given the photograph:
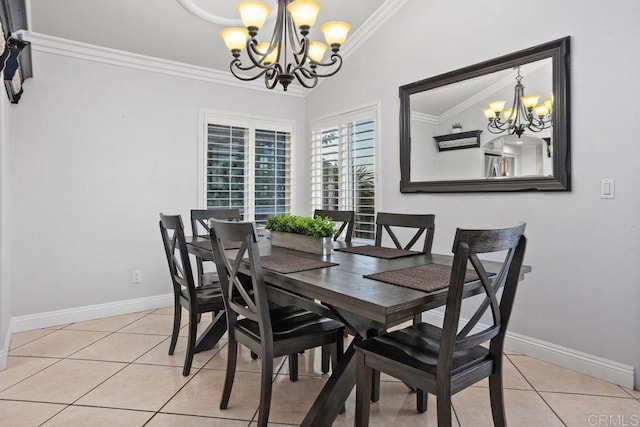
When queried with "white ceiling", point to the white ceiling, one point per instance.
{"points": [[165, 29]]}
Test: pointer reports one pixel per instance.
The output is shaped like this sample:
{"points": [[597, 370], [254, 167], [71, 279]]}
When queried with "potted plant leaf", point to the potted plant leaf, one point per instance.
{"points": [[302, 233], [456, 127]]}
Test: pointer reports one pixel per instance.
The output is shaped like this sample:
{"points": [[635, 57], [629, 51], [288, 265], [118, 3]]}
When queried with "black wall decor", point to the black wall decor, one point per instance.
{"points": [[15, 53]]}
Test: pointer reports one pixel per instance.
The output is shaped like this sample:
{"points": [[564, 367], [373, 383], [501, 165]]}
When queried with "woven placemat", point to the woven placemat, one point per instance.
{"points": [[287, 263], [429, 277], [378, 251]]}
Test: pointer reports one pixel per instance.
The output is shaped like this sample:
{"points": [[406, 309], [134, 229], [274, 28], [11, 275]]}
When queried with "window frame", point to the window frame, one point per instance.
{"points": [[251, 122]]}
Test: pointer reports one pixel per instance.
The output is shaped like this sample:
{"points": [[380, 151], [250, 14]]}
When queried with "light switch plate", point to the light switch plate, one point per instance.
{"points": [[607, 188]]}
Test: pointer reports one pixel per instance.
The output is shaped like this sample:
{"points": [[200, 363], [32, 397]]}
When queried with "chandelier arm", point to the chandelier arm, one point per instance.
{"points": [[335, 59], [498, 124], [299, 47], [256, 57], [307, 75], [236, 64], [271, 78]]}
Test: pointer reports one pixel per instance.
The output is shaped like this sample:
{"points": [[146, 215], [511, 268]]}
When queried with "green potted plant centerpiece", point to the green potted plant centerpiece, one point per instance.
{"points": [[456, 127], [302, 233]]}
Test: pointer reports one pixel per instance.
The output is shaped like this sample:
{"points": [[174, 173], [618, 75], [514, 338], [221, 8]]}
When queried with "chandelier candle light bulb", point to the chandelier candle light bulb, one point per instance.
{"points": [[253, 14], [289, 55]]}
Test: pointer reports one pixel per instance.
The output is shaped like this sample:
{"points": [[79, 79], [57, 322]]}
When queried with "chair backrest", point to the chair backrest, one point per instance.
{"points": [[347, 218], [200, 217], [422, 223], [244, 295], [175, 247], [467, 246]]}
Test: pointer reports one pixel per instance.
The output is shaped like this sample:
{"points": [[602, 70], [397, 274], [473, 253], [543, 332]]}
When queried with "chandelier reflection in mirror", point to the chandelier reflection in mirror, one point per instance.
{"points": [[289, 55], [525, 113]]}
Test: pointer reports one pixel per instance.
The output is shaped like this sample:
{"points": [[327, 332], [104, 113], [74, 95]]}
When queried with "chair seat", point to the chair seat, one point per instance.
{"points": [[210, 278], [207, 294], [418, 345], [289, 322]]}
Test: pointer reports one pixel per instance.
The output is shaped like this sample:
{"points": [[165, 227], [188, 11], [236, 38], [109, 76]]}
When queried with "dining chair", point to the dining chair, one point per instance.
{"points": [[195, 299], [267, 331], [346, 218], [444, 361], [200, 226], [390, 222]]}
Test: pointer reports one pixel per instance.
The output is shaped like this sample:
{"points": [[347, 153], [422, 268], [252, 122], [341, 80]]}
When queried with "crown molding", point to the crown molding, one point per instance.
{"points": [[93, 53], [371, 25], [426, 118]]}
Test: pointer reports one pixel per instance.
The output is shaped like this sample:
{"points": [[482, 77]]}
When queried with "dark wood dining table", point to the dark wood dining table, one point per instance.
{"points": [[342, 292]]}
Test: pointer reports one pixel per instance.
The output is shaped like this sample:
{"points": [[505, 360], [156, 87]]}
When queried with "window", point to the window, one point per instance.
{"points": [[343, 166], [247, 164]]}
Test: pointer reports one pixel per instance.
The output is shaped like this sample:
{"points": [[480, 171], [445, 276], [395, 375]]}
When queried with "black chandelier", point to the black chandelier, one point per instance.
{"points": [[289, 55], [525, 113]]}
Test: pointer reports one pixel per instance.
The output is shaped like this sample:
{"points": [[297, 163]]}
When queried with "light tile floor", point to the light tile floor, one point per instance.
{"points": [[116, 372]]}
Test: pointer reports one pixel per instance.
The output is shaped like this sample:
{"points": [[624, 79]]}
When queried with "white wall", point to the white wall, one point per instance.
{"points": [[5, 237], [97, 151], [584, 291]]}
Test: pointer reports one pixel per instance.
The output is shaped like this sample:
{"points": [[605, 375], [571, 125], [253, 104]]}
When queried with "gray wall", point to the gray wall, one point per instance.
{"points": [[584, 291], [97, 151]]}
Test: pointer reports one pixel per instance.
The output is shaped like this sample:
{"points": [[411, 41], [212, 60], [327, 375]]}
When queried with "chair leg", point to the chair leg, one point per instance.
{"points": [[293, 367], [444, 407], [232, 357], [191, 343], [496, 396], [375, 376], [422, 398], [363, 390], [326, 349], [177, 318], [266, 379], [337, 351]]}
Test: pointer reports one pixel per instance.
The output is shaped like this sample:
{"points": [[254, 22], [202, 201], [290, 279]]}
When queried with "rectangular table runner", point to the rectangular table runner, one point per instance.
{"points": [[429, 277], [288, 263], [378, 251]]}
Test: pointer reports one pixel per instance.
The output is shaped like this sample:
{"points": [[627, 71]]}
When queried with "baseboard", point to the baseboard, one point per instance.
{"points": [[90, 312], [604, 369]]}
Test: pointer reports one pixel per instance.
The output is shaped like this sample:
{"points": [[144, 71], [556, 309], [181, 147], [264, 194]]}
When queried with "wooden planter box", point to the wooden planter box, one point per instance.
{"points": [[302, 243]]}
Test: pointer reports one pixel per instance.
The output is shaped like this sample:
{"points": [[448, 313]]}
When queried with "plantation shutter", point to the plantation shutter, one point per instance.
{"points": [[227, 160], [248, 166], [343, 167]]}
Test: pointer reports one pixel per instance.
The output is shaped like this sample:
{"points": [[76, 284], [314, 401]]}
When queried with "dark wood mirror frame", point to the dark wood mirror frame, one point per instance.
{"points": [[559, 52]]}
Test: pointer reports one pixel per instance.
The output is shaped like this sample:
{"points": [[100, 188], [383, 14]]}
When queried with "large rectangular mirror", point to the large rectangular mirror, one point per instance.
{"points": [[500, 125]]}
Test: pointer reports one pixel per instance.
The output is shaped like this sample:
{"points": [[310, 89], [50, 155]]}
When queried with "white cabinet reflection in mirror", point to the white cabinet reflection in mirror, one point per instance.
{"points": [[511, 156]]}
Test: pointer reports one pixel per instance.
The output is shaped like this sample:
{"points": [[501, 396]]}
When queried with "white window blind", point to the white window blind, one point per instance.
{"points": [[248, 166], [343, 166]]}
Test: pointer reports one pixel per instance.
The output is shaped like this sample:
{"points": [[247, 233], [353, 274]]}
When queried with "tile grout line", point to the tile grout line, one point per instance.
{"points": [[35, 339], [535, 390]]}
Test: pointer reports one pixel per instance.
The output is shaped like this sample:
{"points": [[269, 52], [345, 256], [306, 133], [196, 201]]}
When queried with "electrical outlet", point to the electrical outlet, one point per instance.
{"points": [[136, 276]]}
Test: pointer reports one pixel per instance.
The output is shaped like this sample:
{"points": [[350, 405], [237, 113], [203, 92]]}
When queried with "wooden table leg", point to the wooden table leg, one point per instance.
{"points": [[213, 333], [326, 407]]}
